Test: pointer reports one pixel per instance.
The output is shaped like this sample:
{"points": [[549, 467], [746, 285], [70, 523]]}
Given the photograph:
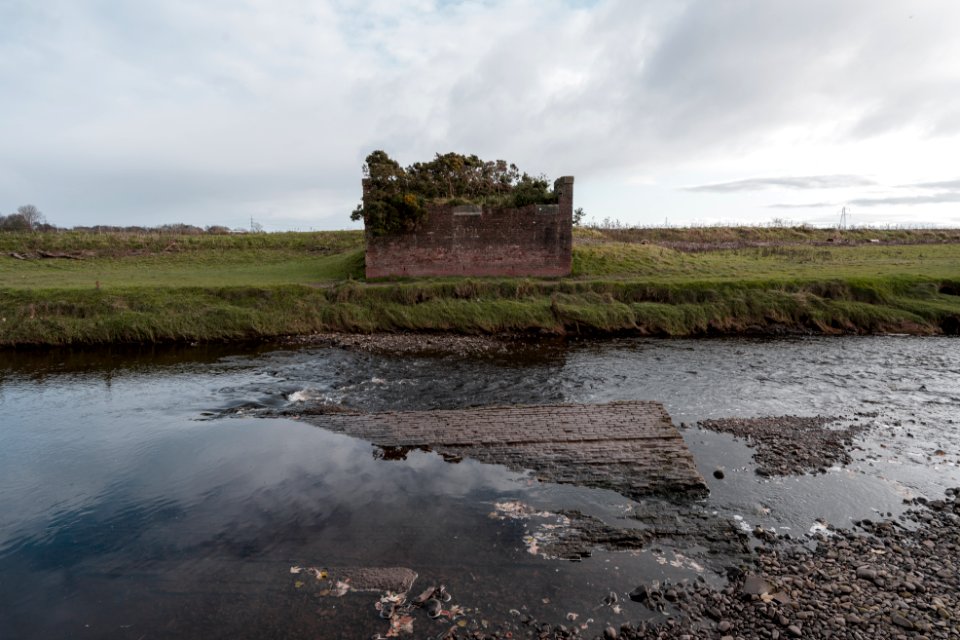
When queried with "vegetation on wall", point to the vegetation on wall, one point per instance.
{"points": [[395, 199]]}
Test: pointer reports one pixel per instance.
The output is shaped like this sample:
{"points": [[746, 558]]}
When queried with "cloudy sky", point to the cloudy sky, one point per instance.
{"points": [[678, 111]]}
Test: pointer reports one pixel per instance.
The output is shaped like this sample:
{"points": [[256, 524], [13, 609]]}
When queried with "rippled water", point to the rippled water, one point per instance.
{"points": [[130, 509]]}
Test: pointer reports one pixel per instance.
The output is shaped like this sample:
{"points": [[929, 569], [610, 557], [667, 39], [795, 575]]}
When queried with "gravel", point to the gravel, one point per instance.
{"points": [[409, 343], [877, 580], [792, 445]]}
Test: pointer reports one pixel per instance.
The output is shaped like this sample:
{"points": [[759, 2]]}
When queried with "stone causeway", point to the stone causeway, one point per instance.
{"points": [[630, 447]]}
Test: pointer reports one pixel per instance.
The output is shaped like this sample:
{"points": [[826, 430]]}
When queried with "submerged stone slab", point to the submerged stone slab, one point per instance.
{"points": [[630, 447]]}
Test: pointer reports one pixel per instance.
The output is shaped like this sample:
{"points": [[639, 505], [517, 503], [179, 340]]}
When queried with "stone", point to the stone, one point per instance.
{"points": [[866, 573], [755, 585], [610, 633], [640, 594], [795, 630], [900, 621]]}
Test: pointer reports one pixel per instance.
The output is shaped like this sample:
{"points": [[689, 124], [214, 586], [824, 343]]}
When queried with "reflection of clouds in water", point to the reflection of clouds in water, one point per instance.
{"points": [[70, 439], [301, 470], [228, 474]]}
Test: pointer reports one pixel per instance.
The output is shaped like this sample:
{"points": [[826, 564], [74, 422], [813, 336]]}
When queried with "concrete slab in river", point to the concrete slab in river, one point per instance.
{"points": [[630, 447]]}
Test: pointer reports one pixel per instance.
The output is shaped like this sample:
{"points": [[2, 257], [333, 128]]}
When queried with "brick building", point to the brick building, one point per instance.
{"points": [[472, 240]]}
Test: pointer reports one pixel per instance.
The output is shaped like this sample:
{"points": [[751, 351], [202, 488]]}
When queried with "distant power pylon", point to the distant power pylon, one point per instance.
{"points": [[844, 218]]}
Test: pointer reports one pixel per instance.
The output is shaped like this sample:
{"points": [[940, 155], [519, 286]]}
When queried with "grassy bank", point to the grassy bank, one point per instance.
{"points": [[262, 285]]}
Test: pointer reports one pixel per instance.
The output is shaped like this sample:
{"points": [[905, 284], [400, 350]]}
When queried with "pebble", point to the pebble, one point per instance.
{"points": [[433, 607], [866, 573], [900, 621]]}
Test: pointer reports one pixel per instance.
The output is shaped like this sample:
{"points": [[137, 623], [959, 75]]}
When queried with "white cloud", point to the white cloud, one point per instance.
{"points": [[147, 112], [786, 182]]}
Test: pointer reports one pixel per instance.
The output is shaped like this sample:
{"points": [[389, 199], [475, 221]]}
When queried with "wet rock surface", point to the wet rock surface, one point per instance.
{"points": [[792, 445], [890, 579], [630, 447], [572, 535]]}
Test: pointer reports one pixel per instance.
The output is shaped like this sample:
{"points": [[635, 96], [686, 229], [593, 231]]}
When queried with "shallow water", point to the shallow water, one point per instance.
{"points": [[131, 507]]}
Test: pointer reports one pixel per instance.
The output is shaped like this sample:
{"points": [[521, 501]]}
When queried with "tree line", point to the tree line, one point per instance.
{"points": [[29, 218], [26, 218]]}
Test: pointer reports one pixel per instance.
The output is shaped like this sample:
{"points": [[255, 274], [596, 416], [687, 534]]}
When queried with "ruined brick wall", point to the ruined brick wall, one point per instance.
{"points": [[471, 240]]}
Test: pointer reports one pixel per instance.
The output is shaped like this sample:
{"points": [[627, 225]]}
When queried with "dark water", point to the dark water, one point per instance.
{"points": [[129, 508]]}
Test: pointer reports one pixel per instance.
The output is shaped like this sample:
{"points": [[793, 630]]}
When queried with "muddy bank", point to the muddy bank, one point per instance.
{"points": [[793, 445]]}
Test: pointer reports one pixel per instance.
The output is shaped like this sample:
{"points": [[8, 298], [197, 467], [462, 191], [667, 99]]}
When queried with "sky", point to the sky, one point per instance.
{"points": [[676, 112]]}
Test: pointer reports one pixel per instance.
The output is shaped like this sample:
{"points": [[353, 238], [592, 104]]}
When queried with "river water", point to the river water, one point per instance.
{"points": [[154, 494]]}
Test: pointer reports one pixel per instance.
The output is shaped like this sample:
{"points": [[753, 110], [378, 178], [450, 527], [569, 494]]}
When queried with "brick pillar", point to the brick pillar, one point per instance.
{"points": [[563, 187]]}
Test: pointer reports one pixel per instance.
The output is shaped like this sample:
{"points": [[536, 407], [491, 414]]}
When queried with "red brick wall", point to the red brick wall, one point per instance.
{"points": [[534, 240]]}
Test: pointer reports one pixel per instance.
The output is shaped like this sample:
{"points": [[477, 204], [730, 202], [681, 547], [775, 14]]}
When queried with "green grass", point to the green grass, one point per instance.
{"points": [[242, 267], [152, 242], [633, 260], [260, 285], [701, 238]]}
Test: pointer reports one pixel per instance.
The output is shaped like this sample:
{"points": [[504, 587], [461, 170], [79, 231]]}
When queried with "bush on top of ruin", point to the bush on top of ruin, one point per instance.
{"points": [[395, 198]]}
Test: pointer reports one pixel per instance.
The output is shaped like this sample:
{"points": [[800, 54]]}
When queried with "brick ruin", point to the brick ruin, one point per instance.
{"points": [[473, 240]]}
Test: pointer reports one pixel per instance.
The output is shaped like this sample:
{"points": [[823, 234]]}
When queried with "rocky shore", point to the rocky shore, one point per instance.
{"points": [[409, 343], [896, 578], [793, 445]]}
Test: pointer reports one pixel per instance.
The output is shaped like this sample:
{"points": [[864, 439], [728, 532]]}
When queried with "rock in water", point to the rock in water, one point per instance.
{"points": [[754, 585]]}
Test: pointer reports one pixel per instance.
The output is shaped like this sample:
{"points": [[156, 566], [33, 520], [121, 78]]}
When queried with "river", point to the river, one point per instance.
{"points": [[153, 493]]}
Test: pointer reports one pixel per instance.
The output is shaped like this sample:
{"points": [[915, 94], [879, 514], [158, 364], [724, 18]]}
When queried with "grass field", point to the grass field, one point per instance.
{"points": [[157, 287]]}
